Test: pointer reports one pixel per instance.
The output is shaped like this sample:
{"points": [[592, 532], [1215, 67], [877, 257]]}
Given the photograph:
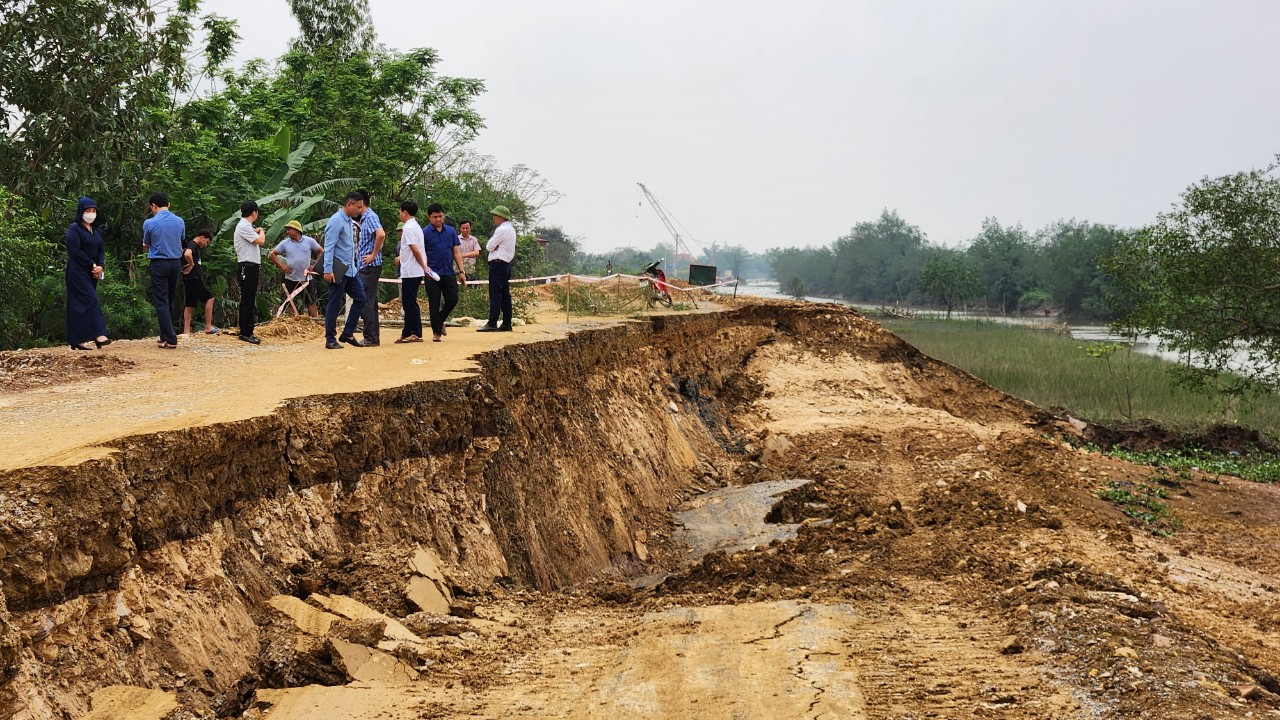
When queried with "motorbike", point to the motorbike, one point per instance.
{"points": [[656, 288]]}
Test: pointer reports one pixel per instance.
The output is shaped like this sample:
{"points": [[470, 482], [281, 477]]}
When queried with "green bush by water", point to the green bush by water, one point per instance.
{"points": [[1055, 371]]}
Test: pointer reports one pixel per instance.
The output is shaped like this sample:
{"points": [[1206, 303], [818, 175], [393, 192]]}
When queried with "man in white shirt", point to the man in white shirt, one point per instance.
{"points": [[413, 266], [248, 242], [502, 250]]}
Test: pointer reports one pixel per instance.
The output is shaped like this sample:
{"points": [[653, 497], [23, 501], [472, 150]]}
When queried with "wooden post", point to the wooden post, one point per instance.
{"points": [[735, 288]]}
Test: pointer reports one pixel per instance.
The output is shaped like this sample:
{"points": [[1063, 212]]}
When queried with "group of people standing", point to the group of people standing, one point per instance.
{"points": [[436, 257]]}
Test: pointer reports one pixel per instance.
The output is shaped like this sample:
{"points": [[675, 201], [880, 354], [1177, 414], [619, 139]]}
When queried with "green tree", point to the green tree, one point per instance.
{"points": [[815, 266], [795, 287], [1005, 259], [26, 258], [879, 261], [731, 258], [560, 254], [1203, 277], [84, 92], [345, 25], [384, 117], [1071, 271], [950, 278]]}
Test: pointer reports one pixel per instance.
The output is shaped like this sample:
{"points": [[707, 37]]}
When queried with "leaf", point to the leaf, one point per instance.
{"points": [[275, 197], [293, 162], [281, 217], [281, 143], [323, 188]]}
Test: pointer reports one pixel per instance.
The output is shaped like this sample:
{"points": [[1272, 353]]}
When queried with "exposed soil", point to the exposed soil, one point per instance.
{"points": [[1144, 436], [26, 369], [951, 555]]}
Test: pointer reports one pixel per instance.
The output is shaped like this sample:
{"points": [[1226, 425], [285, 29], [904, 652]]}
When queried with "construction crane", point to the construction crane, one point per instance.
{"points": [[671, 227]]}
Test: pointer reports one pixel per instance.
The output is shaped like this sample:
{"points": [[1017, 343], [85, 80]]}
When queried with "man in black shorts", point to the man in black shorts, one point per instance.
{"points": [[193, 286]]}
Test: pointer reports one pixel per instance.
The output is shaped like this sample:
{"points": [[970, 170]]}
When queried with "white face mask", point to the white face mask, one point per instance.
{"points": [[89, 217]]}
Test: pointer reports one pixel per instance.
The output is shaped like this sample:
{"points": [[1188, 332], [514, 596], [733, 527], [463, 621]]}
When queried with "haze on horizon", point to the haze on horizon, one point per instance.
{"points": [[771, 124]]}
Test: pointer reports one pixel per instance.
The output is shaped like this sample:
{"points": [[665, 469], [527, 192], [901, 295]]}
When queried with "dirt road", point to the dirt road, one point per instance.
{"points": [[214, 379]]}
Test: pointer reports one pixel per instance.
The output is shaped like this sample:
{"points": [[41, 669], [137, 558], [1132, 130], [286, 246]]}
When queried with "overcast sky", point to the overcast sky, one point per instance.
{"points": [[768, 124]]}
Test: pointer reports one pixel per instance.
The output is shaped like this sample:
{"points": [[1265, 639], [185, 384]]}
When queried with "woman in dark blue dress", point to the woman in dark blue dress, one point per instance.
{"points": [[85, 257]]}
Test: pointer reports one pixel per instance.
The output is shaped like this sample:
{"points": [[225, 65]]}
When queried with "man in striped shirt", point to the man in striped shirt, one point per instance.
{"points": [[369, 255]]}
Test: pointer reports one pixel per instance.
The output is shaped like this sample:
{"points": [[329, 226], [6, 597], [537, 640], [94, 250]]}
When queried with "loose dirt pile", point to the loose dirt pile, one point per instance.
{"points": [[505, 546], [290, 327], [24, 369]]}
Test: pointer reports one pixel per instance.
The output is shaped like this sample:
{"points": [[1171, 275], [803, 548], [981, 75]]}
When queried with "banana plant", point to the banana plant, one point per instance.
{"points": [[280, 202]]}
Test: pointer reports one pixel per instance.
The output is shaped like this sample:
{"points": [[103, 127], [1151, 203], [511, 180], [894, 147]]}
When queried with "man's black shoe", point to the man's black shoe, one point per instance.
{"points": [[252, 339], [374, 343], [487, 328], [352, 341], [333, 345], [504, 328]]}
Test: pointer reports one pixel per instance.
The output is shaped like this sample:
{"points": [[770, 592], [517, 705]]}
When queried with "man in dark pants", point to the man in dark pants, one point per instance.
{"points": [[162, 236], [341, 274], [248, 242], [369, 250], [502, 250], [444, 254]]}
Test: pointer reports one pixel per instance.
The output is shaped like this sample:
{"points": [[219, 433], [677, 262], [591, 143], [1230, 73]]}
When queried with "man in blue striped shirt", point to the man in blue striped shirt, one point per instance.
{"points": [[369, 252], [341, 272], [162, 236]]}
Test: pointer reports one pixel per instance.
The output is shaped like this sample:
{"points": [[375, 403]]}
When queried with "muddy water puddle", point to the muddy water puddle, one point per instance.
{"points": [[731, 520]]}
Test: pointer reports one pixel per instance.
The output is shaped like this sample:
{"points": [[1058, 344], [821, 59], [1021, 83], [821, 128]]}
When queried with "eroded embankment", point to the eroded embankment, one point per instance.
{"points": [[152, 566]]}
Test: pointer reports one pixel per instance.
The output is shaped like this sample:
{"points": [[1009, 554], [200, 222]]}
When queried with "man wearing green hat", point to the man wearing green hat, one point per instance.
{"points": [[502, 251], [297, 250]]}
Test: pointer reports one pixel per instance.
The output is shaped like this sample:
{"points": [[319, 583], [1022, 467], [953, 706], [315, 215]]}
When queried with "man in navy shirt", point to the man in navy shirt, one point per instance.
{"points": [[162, 236], [444, 253]]}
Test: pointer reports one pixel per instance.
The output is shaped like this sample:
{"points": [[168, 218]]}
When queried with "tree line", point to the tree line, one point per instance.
{"points": [[106, 98], [1203, 277], [1004, 269]]}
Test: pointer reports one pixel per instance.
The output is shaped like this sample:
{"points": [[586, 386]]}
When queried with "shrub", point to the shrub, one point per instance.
{"points": [[27, 255]]}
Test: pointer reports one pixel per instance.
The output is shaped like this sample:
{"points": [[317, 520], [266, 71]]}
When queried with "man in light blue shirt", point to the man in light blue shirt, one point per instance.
{"points": [[162, 236], [342, 273]]}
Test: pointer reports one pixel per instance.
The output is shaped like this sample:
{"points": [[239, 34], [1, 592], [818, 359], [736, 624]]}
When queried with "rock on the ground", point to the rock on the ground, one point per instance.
{"points": [[427, 563], [124, 702], [1011, 645], [426, 595], [367, 664], [367, 631], [775, 446], [355, 610], [306, 618], [431, 625]]}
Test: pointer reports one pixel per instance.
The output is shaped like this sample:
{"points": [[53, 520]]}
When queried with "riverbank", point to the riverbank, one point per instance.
{"points": [[1053, 370]]}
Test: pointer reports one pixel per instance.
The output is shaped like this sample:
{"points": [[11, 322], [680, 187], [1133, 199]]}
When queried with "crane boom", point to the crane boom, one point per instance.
{"points": [[666, 220]]}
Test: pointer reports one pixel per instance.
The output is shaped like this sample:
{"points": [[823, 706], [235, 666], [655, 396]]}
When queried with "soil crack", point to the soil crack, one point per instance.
{"points": [[777, 629]]}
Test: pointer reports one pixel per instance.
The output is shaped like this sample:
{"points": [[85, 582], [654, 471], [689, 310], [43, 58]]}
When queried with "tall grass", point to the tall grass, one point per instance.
{"points": [[1054, 370]]}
